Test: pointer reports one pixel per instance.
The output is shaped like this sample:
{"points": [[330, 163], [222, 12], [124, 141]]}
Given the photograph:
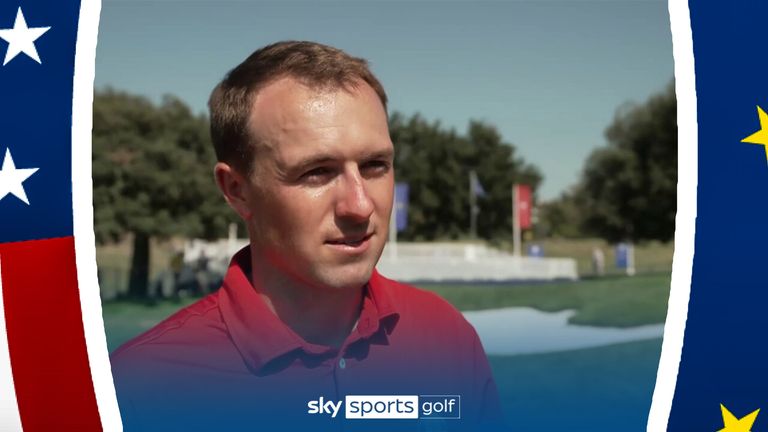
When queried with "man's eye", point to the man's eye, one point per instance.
{"points": [[375, 167], [317, 174]]}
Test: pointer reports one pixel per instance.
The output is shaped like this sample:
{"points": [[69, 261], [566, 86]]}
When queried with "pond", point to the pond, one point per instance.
{"points": [[522, 330]]}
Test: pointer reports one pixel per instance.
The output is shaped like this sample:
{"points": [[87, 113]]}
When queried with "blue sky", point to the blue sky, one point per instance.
{"points": [[549, 74]]}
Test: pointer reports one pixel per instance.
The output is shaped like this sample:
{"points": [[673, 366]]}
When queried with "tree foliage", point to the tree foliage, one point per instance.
{"points": [[436, 162], [562, 217], [628, 188], [152, 175]]}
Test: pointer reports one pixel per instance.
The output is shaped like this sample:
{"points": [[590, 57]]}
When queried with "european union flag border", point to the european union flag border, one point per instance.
{"points": [[685, 220]]}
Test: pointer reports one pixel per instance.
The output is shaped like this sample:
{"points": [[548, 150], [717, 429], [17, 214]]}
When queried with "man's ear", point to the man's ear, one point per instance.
{"points": [[234, 187]]}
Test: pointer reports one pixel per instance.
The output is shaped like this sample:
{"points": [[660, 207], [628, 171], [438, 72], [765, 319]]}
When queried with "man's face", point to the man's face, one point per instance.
{"points": [[321, 193]]}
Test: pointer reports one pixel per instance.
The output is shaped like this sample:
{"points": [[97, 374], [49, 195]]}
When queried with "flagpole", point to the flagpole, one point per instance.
{"points": [[472, 206], [515, 222]]}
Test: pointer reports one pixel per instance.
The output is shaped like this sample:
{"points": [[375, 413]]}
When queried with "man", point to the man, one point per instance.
{"points": [[302, 318]]}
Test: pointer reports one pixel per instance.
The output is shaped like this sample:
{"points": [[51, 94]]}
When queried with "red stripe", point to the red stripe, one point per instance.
{"points": [[45, 336]]}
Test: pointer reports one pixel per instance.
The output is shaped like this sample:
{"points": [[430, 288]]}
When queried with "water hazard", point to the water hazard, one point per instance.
{"points": [[521, 330]]}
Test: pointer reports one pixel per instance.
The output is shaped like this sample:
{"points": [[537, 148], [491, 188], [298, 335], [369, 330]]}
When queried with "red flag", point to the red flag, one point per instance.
{"points": [[524, 204]]}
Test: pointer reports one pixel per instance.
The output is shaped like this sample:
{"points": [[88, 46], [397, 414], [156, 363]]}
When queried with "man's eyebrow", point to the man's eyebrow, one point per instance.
{"points": [[381, 154], [320, 159], [309, 162]]}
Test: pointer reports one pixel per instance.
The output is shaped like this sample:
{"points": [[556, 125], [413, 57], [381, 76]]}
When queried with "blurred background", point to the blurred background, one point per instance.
{"points": [[536, 155]]}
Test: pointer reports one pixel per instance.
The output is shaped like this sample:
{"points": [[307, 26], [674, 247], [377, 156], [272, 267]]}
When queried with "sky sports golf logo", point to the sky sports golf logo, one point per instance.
{"points": [[390, 407]]}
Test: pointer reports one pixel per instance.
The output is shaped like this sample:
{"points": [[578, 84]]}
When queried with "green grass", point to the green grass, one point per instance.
{"points": [[124, 320], [610, 301]]}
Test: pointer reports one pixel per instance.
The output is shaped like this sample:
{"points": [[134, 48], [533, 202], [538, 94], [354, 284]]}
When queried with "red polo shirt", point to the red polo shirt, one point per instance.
{"points": [[227, 362]]}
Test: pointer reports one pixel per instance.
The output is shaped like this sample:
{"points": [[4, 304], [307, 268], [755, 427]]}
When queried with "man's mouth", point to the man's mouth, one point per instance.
{"points": [[350, 241]]}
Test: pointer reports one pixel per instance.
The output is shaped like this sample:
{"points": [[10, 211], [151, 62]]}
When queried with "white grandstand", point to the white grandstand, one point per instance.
{"points": [[468, 262], [428, 262]]}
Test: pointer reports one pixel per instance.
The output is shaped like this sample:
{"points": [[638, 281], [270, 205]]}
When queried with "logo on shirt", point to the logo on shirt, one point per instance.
{"points": [[361, 407]]}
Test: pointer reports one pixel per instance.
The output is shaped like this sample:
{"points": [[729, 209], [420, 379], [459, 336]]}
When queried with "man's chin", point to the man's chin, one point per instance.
{"points": [[346, 277]]}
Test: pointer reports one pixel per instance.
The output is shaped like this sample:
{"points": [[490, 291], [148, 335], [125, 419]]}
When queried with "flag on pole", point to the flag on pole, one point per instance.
{"points": [[401, 206], [622, 256], [524, 205], [475, 186], [475, 190]]}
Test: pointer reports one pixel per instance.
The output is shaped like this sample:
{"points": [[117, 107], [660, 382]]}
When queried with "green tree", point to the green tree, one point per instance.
{"points": [[152, 176], [561, 217], [628, 189], [436, 163]]}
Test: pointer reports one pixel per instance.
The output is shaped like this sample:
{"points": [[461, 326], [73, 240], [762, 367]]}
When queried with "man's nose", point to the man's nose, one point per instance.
{"points": [[353, 201]]}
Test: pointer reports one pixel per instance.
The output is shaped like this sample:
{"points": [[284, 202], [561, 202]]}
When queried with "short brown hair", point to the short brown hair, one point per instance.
{"points": [[313, 64]]}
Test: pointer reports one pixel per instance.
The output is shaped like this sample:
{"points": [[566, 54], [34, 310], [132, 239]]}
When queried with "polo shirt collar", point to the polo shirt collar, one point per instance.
{"points": [[260, 336], [379, 308]]}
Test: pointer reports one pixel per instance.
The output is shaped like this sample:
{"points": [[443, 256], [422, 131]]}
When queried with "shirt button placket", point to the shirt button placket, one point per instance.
{"points": [[341, 364]]}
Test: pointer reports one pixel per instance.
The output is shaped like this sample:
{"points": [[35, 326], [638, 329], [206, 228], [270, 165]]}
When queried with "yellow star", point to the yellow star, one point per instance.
{"points": [[761, 136], [732, 424]]}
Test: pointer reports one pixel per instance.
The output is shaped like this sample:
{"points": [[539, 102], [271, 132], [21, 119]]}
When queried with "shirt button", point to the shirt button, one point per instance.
{"points": [[342, 363]]}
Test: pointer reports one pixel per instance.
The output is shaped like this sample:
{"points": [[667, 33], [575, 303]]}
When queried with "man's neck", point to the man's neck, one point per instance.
{"points": [[320, 316]]}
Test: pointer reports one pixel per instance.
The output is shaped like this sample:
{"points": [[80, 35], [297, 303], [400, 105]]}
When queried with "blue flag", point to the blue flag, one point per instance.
{"points": [[622, 255], [476, 186], [401, 206]]}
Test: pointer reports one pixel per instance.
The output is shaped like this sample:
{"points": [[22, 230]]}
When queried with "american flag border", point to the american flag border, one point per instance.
{"points": [[10, 419], [82, 204]]}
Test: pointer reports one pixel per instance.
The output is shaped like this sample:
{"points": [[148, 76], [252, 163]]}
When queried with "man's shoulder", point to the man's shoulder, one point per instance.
{"points": [[193, 326], [421, 297], [420, 303]]}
